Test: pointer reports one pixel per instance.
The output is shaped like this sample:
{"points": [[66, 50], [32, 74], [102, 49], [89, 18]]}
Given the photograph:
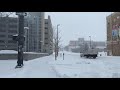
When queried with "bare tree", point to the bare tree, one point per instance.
{"points": [[56, 42]]}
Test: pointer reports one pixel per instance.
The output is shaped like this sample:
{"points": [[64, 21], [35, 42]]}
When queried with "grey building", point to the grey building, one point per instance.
{"points": [[79, 45], [34, 32], [8, 28], [35, 38], [48, 47]]}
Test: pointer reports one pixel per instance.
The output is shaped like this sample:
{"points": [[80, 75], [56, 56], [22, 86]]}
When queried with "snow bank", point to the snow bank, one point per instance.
{"points": [[8, 52], [15, 52]]}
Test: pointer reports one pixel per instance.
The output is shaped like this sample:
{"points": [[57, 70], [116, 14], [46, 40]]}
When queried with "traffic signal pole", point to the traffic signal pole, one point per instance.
{"points": [[20, 40]]}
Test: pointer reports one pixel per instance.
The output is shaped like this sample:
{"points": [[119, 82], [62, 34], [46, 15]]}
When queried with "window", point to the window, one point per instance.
{"points": [[2, 36], [2, 30], [11, 41], [46, 33], [12, 31], [2, 45], [46, 22], [46, 27], [2, 41], [12, 26], [10, 36]]}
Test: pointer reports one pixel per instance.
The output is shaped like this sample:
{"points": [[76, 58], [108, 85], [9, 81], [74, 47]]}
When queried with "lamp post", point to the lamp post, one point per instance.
{"points": [[57, 39], [26, 38], [41, 45], [90, 42]]}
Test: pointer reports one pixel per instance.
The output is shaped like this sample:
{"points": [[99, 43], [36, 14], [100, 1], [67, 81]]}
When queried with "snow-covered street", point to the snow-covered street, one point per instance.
{"points": [[73, 66]]}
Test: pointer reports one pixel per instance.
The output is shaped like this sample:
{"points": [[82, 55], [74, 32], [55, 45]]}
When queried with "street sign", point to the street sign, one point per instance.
{"points": [[21, 13]]}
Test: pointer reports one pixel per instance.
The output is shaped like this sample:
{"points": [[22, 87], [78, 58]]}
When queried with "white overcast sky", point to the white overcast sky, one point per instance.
{"points": [[74, 25]]}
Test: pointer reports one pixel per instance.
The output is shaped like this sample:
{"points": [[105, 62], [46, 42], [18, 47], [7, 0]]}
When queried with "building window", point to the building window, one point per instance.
{"points": [[46, 27], [2, 45], [2, 30], [2, 41], [11, 41], [2, 36], [46, 22], [10, 36], [12, 26], [12, 31]]}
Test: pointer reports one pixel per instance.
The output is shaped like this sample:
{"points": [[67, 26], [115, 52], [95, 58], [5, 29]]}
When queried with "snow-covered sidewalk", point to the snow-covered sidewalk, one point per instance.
{"points": [[73, 66], [37, 68]]}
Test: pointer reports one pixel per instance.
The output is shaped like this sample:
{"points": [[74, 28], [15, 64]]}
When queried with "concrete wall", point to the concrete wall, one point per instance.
{"points": [[26, 56]]}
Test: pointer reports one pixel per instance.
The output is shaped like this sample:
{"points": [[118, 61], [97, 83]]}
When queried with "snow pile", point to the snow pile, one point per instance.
{"points": [[8, 52], [34, 53], [102, 53]]}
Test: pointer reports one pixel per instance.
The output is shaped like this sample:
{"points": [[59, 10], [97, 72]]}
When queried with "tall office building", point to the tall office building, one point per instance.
{"points": [[34, 32], [8, 28], [48, 46], [35, 23]]}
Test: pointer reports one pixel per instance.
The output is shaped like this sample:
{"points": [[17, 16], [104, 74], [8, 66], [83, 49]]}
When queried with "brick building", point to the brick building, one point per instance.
{"points": [[113, 34]]}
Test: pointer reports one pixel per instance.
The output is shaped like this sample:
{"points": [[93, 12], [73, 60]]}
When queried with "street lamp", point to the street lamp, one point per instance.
{"points": [[57, 38], [26, 38], [41, 45], [90, 41]]}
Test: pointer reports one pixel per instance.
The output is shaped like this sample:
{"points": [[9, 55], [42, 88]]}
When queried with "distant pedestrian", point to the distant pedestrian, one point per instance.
{"points": [[63, 56]]}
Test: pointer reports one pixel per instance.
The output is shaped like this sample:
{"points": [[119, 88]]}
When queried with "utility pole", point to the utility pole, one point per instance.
{"points": [[21, 38]]}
